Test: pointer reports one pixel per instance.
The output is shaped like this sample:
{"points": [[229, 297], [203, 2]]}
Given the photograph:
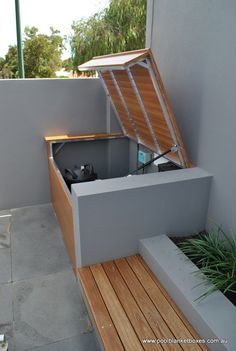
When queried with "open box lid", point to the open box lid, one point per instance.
{"points": [[138, 96]]}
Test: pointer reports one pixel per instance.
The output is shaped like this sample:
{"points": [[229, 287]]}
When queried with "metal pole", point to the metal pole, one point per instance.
{"points": [[19, 42]]}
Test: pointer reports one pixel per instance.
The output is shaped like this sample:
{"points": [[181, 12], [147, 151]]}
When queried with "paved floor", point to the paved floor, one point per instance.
{"points": [[41, 307]]}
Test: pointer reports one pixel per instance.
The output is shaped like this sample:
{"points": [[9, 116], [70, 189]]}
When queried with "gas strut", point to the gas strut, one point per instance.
{"points": [[172, 149]]}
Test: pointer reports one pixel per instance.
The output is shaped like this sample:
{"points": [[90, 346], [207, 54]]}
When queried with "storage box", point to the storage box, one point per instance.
{"points": [[125, 210]]}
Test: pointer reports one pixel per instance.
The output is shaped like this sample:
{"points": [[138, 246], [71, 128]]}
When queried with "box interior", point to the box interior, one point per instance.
{"points": [[111, 158]]}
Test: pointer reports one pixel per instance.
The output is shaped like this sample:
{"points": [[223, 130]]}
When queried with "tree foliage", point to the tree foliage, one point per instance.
{"points": [[8, 65], [42, 55], [120, 27]]}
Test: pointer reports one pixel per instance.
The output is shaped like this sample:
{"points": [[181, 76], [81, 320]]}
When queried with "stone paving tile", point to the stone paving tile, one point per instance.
{"points": [[32, 213], [37, 245], [7, 330], [5, 266], [48, 309], [5, 239], [42, 309], [85, 342], [82, 342], [5, 229], [5, 213], [6, 298]]}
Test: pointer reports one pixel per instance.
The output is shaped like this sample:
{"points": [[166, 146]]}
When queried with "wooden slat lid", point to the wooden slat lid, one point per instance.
{"points": [[140, 101], [121, 59]]}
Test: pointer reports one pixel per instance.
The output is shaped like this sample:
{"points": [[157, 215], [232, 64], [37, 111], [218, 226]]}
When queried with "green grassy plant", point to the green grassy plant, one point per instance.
{"points": [[215, 255]]}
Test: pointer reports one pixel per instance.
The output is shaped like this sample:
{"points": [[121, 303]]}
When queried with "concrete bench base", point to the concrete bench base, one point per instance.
{"points": [[215, 316]]}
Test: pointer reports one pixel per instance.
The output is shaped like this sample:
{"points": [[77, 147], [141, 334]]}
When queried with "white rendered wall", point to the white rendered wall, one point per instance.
{"points": [[194, 43], [31, 109]]}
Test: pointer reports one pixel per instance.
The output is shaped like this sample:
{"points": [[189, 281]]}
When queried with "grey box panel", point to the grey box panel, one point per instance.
{"points": [[118, 157], [114, 214]]}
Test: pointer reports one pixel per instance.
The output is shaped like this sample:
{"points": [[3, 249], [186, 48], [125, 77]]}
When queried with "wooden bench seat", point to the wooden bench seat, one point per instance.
{"points": [[129, 305]]}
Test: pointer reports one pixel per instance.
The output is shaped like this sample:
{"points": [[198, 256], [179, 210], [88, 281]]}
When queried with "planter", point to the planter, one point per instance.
{"points": [[214, 317]]}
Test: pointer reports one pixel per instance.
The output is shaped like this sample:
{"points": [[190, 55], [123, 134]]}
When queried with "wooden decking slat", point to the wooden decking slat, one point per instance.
{"points": [[101, 316], [172, 303], [118, 315], [130, 306], [166, 310], [149, 310]]}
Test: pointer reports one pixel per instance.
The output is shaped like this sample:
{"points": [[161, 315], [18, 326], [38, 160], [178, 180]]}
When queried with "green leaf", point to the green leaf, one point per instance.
{"points": [[215, 254]]}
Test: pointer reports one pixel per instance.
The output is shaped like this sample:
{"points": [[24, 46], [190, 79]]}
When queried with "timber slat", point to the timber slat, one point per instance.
{"points": [[119, 106], [172, 303], [143, 94], [100, 314], [166, 310], [94, 136], [63, 208], [118, 315], [155, 320], [129, 305]]}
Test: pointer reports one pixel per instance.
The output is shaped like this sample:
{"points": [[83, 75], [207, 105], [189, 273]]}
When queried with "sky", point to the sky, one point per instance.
{"points": [[43, 14]]}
